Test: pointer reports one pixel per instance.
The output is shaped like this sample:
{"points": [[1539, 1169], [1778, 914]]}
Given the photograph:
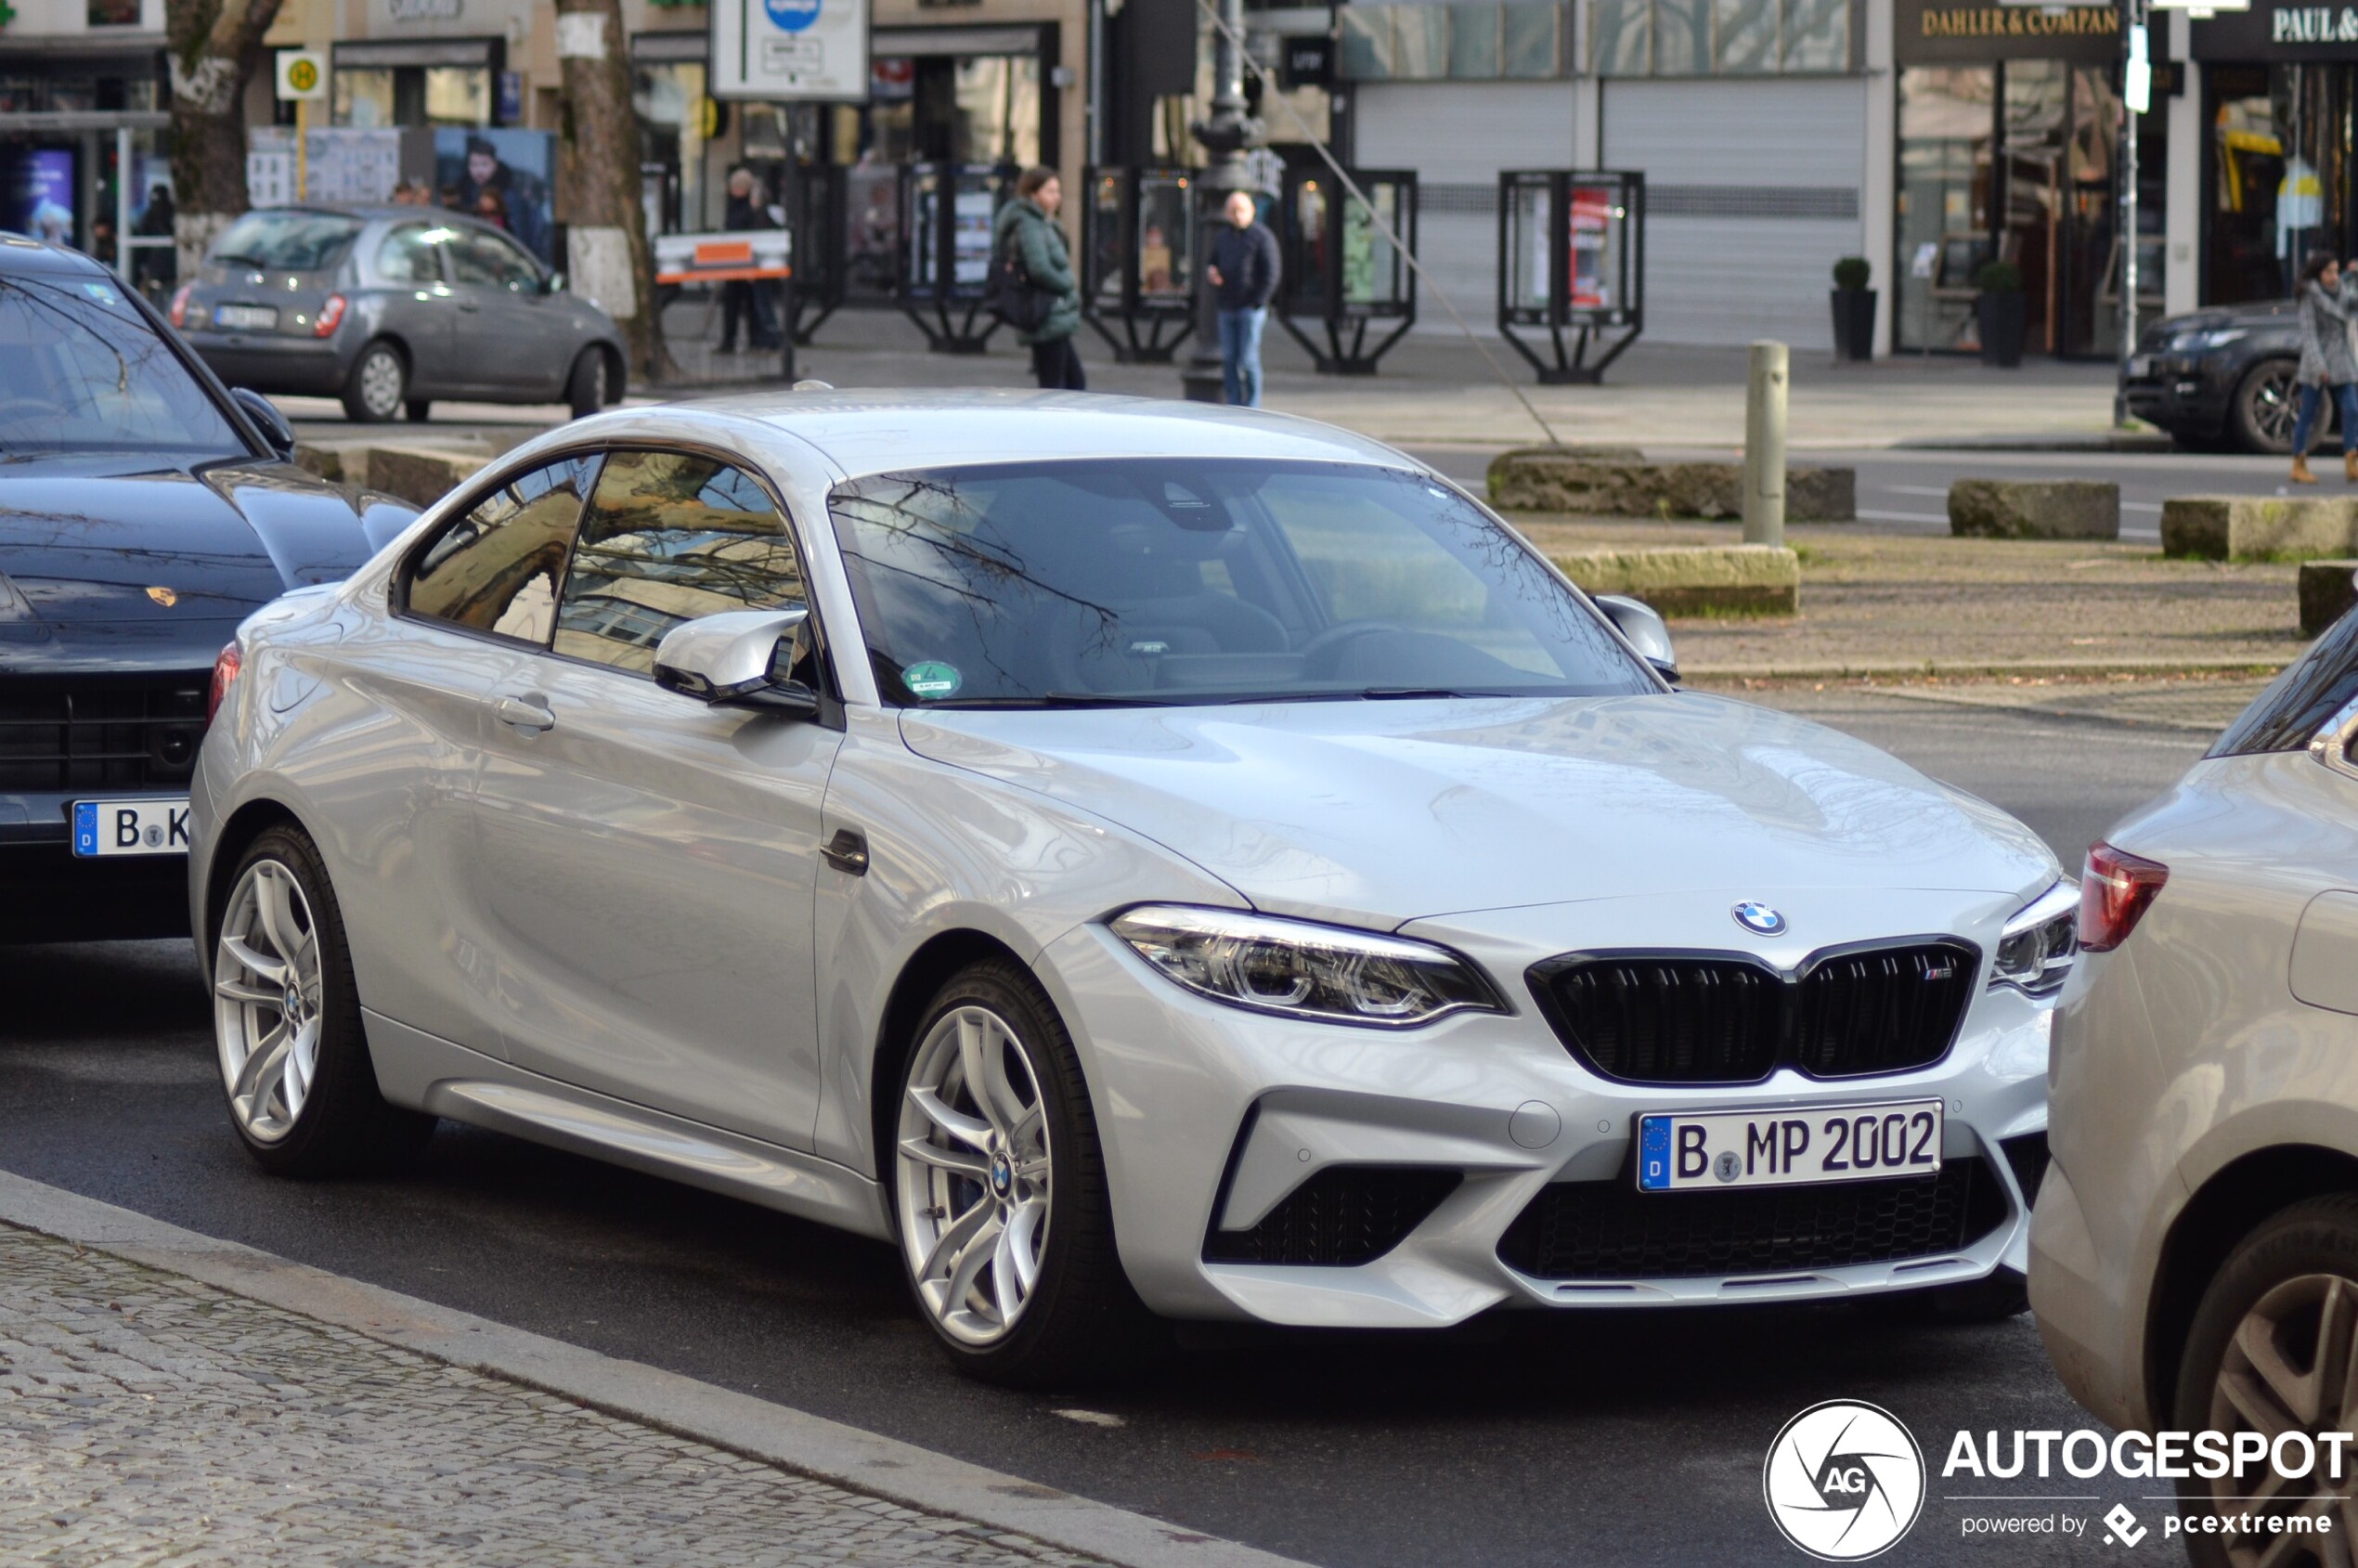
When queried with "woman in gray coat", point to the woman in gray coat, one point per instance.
{"points": [[2327, 359]]}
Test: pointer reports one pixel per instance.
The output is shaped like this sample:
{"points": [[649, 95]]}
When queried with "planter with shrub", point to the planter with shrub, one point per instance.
{"points": [[2002, 312], [1854, 306]]}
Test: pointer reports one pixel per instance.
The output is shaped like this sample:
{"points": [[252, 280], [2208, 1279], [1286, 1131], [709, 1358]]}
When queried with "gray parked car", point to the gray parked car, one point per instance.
{"points": [[391, 308]]}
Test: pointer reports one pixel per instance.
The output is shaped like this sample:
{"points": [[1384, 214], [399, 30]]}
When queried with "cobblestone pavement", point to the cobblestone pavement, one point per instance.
{"points": [[147, 1419]]}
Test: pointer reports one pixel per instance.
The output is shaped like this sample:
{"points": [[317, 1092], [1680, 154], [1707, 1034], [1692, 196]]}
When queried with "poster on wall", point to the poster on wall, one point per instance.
{"points": [[506, 178], [778, 50], [36, 192], [345, 164]]}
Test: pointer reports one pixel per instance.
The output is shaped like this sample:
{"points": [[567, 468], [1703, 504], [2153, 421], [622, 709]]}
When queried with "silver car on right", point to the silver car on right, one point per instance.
{"points": [[2195, 1247]]}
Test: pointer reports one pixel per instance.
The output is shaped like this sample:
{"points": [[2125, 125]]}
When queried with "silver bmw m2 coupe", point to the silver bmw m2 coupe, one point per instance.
{"points": [[1140, 860]]}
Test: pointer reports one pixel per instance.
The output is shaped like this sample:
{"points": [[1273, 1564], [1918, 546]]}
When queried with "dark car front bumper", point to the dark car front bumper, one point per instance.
{"points": [[49, 895], [2181, 392], [299, 366]]}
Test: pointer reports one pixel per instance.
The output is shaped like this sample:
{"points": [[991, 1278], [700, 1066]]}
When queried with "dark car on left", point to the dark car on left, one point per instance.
{"points": [[145, 512]]}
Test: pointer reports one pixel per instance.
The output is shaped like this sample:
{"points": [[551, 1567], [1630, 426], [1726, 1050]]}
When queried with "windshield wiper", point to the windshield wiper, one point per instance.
{"points": [[239, 258], [1056, 699], [1371, 693]]}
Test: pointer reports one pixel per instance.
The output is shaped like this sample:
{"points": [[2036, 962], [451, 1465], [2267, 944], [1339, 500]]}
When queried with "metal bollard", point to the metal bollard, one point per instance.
{"points": [[1764, 444]]}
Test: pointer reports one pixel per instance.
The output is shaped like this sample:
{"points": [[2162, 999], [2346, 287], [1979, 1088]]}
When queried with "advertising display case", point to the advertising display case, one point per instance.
{"points": [[1572, 265], [946, 213], [1344, 276], [815, 217], [1138, 265]]}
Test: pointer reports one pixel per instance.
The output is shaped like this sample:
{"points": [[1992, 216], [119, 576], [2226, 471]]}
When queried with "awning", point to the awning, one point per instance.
{"points": [[489, 52], [901, 40], [657, 48]]}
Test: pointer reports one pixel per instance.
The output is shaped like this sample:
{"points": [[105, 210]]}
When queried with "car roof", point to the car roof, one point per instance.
{"points": [[894, 430], [384, 211], [20, 254]]}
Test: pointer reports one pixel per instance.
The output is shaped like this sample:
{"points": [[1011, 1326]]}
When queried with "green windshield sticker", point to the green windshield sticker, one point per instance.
{"points": [[932, 679]]}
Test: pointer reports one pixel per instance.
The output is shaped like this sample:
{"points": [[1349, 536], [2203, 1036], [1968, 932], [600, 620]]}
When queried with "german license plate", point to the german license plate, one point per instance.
{"points": [[2141, 367], [245, 318], [130, 827], [1795, 1146]]}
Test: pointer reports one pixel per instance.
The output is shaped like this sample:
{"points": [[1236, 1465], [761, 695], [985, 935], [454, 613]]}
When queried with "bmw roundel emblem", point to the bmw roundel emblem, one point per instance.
{"points": [[1759, 919]]}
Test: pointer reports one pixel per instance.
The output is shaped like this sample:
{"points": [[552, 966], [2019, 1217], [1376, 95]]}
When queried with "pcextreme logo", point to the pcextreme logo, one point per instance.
{"points": [[1844, 1480]]}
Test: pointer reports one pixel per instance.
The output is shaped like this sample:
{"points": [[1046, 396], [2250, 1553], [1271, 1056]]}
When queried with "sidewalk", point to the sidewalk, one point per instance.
{"points": [[147, 1418]]}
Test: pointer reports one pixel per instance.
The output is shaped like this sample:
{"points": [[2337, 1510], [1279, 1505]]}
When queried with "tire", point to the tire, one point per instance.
{"points": [[2002, 1295], [376, 389], [2291, 1286], [314, 1110], [585, 387], [419, 410], [1078, 1320], [2260, 412]]}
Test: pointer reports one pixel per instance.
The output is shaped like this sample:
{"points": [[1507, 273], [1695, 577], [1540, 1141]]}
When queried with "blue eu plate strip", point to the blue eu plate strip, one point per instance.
{"points": [[86, 827], [1654, 1153]]}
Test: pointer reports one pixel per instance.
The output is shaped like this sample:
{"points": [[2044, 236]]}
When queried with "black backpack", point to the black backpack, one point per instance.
{"points": [[1010, 294]]}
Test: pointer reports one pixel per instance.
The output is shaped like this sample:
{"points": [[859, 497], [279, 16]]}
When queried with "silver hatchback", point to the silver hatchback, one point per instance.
{"points": [[389, 308]]}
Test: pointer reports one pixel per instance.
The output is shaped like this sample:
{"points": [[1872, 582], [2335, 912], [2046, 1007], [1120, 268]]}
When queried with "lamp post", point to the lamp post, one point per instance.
{"points": [[1224, 135], [2137, 99]]}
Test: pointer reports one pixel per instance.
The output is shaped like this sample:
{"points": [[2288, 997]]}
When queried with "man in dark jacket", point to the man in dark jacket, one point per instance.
{"points": [[1245, 269], [742, 299]]}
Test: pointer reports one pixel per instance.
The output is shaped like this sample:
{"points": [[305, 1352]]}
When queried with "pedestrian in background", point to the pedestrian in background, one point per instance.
{"points": [[1027, 225], [742, 299], [2327, 359], [1245, 269]]}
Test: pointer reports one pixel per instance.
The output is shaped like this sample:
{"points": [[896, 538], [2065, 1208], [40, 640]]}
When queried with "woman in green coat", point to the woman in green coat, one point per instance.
{"points": [[1027, 225]]}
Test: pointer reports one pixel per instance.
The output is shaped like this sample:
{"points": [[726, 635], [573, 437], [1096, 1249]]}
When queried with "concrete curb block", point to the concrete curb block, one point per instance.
{"points": [[2227, 527], [812, 1445], [421, 475], [1558, 479], [2134, 721], [2327, 590], [1869, 670], [2035, 509], [1687, 579]]}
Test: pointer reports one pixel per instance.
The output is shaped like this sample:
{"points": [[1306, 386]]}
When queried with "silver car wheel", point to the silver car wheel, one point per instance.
{"points": [[973, 1163], [2288, 1369], [380, 383], [267, 1001]]}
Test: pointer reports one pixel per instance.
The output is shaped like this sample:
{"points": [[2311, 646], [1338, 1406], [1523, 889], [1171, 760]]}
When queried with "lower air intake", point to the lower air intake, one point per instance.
{"points": [[1343, 1216]]}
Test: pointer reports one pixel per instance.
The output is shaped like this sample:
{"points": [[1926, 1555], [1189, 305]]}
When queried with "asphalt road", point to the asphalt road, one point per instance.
{"points": [[1535, 1438]]}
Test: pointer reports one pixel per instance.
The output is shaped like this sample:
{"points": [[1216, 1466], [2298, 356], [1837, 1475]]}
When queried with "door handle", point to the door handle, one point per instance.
{"points": [[847, 851], [529, 714]]}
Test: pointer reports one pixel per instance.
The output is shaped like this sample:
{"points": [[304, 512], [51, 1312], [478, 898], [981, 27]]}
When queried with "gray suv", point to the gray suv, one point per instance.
{"points": [[391, 308]]}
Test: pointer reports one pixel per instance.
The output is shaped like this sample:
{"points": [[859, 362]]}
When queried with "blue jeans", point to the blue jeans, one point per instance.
{"points": [[1240, 355], [2312, 398]]}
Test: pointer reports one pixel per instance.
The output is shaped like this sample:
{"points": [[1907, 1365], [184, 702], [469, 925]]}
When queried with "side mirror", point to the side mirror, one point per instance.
{"points": [[738, 659], [1638, 622], [553, 284], [266, 419]]}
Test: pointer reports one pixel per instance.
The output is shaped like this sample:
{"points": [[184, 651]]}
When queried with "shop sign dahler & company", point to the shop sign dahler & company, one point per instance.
{"points": [[2288, 32], [1957, 32]]}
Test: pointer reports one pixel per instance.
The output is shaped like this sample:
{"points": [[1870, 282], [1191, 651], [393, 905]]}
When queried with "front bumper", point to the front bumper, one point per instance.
{"points": [[1214, 1119], [48, 895], [2180, 393]]}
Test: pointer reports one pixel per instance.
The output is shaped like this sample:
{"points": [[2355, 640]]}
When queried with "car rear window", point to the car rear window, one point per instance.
{"points": [[2297, 704], [287, 240]]}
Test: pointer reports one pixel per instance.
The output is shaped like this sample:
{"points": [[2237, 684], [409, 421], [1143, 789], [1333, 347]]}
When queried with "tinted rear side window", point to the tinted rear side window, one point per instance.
{"points": [[2297, 704], [497, 569]]}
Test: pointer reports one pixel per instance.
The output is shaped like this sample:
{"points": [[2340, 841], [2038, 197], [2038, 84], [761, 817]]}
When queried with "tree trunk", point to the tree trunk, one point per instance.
{"points": [[213, 47], [606, 228]]}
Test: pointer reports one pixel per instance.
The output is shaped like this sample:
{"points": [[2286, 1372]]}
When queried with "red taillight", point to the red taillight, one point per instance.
{"points": [[331, 317], [224, 675], [180, 304], [2114, 894]]}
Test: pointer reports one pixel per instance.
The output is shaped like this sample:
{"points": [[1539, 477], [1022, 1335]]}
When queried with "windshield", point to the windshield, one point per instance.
{"points": [[1145, 581], [284, 239], [81, 371]]}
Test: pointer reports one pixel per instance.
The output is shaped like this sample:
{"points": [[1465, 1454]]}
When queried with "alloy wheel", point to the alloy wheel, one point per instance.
{"points": [[380, 383], [2276, 407], [973, 1164], [267, 1001], [2290, 1366]]}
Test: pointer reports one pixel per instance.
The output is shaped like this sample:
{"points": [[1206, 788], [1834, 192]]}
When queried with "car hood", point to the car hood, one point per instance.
{"points": [[121, 562], [1381, 812]]}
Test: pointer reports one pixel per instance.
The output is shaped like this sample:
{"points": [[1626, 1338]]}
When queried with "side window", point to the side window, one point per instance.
{"points": [[497, 569], [671, 537], [490, 261], [2295, 706], [409, 255]]}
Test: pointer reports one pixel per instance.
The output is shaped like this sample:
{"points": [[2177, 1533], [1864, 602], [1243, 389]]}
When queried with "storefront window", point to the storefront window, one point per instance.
{"points": [[668, 96], [1719, 37], [368, 96], [998, 110], [1946, 134], [2282, 174]]}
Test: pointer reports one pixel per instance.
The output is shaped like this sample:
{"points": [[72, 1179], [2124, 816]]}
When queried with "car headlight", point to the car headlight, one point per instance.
{"points": [[1298, 971], [2207, 339], [2036, 951]]}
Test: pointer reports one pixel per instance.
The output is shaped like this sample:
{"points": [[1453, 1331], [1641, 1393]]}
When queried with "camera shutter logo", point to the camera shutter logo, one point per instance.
{"points": [[1844, 1480]]}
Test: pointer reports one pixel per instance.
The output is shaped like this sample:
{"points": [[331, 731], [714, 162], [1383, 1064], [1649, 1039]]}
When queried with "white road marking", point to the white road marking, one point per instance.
{"points": [[1090, 1418]]}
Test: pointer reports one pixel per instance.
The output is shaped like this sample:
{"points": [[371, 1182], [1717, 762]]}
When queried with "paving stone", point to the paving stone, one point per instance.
{"points": [[145, 1418]]}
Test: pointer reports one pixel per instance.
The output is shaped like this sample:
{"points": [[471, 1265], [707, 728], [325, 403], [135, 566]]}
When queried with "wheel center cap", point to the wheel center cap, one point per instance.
{"points": [[292, 1004], [1003, 1176]]}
